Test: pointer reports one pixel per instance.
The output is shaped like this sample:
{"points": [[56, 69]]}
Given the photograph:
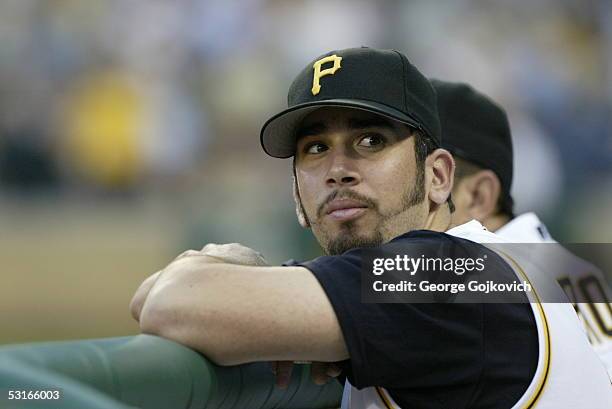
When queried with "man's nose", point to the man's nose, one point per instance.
{"points": [[342, 171]]}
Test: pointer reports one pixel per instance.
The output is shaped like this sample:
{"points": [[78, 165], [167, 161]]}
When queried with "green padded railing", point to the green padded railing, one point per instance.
{"points": [[17, 376], [152, 373]]}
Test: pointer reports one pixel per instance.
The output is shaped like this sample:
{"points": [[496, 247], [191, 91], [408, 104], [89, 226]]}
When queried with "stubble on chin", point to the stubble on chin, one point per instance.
{"points": [[349, 238]]}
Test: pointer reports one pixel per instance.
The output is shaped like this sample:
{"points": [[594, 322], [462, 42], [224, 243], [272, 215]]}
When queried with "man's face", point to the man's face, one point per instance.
{"points": [[357, 178]]}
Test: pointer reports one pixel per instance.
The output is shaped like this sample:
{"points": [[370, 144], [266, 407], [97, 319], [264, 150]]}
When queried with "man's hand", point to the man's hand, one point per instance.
{"points": [[233, 253], [141, 294], [320, 372], [139, 298]]}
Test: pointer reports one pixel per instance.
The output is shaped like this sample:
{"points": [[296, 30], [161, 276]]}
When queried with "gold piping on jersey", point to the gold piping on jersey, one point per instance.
{"points": [[544, 376], [385, 399]]}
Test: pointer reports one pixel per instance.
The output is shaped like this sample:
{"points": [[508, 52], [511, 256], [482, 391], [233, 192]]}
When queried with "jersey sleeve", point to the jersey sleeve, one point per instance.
{"points": [[400, 345], [431, 354]]}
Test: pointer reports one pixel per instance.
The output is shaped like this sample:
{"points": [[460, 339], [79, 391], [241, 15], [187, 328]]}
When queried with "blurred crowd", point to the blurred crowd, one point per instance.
{"points": [[132, 100]]}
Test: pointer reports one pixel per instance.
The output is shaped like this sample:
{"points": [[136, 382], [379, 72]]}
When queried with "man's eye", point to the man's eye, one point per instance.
{"points": [[316, 148], [371, 140]]}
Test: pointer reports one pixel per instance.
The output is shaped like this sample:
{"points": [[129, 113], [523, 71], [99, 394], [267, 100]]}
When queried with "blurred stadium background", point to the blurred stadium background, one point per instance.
{"points": [[129, 130]]}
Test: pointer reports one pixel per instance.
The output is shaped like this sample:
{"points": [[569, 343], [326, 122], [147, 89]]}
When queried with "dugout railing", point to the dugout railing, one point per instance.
{"points": [[148, 372]]}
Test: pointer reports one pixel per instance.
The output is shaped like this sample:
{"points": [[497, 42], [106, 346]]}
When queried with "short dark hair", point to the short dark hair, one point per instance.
{"points": [[465, 168]]}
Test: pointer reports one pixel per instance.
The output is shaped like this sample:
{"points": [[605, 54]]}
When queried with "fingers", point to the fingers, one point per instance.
{"points": [[282, 371], [235, 253], [188, 253], [194, 253], [321, 372], [318, 373], [333, 370], [141, 295], [232, 253]]}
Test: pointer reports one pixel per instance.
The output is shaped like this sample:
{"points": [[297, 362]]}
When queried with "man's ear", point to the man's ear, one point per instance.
{"points": [[299, 210], [485, 189], [441, 177]]}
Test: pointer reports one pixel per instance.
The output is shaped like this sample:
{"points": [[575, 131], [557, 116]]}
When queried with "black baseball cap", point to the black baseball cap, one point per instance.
{"points": [[379, 81], [476, 129]]}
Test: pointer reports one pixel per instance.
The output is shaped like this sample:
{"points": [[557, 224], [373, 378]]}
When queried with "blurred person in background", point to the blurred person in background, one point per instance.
{"points": [[28, 165], [476, 131], [102, 118]]}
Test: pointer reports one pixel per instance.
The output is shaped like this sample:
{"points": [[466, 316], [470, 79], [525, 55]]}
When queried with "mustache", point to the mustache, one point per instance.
{"points": [[346, 194]]}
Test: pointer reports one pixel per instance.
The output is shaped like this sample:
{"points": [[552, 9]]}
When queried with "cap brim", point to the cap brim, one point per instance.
{"points": [[278, 133]]}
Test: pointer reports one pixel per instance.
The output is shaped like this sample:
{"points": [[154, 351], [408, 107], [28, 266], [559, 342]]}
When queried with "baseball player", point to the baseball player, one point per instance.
{"points": [[476, 131], [363, 130]]}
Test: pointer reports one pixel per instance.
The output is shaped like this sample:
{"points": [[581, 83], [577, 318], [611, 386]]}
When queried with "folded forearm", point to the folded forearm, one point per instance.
{"points": [[235, 314]]}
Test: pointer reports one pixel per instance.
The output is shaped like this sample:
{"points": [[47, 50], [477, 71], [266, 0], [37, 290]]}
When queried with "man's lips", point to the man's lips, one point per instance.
{"points": [[345, 209]]}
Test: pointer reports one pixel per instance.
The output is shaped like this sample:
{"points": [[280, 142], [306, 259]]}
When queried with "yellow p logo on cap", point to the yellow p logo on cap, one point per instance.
{"points": [[318, 73]]}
